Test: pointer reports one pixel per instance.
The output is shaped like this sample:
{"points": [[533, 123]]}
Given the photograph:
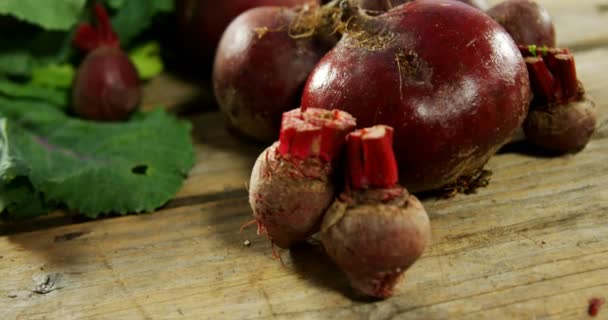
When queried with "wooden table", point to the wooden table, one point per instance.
{"points": [[533, 245]]}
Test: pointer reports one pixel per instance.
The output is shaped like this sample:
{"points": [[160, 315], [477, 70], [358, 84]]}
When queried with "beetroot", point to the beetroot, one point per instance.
{"points": [[562, 128], [454, 97], [106, 87], [203, 21], [292, 181], [526, 21], [562, 117], [260, 69], [376, 230]]}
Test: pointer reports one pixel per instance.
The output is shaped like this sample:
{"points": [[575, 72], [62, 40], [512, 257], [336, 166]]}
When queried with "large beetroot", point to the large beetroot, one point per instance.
{"points": [[447, 77]]}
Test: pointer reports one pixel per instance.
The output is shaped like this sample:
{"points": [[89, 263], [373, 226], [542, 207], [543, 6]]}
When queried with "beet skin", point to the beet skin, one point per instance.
{"points": [[562, 128], [292, 182], [527, 22], [445, 76], [106, 86], [279, 188], [375, 230], [202, 22], [260, 70], [375, 241]]}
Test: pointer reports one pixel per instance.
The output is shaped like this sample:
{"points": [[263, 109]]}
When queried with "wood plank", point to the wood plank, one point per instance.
{"points": [[490, 250], [532, 245]]}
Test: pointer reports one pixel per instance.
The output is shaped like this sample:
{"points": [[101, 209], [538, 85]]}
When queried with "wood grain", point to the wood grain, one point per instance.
{"points": [[532, 245]]}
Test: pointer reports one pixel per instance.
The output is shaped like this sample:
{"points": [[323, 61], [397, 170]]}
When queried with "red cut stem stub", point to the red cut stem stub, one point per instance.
{"points": [[314, 133], [88, 37], [550, 57], [552, 73], [565, 72], [543, 82], [371, 159]]}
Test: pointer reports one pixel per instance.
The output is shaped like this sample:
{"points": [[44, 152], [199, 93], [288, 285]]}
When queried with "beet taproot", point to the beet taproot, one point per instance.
{"points": [[292, 182], [445, 76], [526, 21], [376, 230], [106, 86]]}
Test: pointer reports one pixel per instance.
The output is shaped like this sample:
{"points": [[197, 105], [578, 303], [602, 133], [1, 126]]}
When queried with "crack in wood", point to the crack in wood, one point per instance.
{"points": [[206, 198], [70, 236]]}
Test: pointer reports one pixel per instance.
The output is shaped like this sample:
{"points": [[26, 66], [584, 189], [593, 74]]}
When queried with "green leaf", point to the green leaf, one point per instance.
{"points": [[49, 14], [94, 167], [19, 200], [24, 50], [54, 75], [135, 16], [115, 4], [32, 91], [15, 62], [147, 60], [164, 5], [11, 165]]}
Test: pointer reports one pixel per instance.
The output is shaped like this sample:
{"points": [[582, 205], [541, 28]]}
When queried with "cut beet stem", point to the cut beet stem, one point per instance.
{"points": [[565, 71], [371, 160], [314, 133], [543, 81]]}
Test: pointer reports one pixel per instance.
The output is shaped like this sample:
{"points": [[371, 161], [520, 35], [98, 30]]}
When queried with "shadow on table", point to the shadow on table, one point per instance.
{"points": [[312, 263], [523, 147], [209, 129], [61, 248], [308, 260]]}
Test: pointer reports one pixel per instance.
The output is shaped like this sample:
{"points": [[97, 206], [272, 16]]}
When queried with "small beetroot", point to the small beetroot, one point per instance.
{"points": [[562, 117], [260, 68], [376, 230], [106, 87], [292, 181], [526, 21]]}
